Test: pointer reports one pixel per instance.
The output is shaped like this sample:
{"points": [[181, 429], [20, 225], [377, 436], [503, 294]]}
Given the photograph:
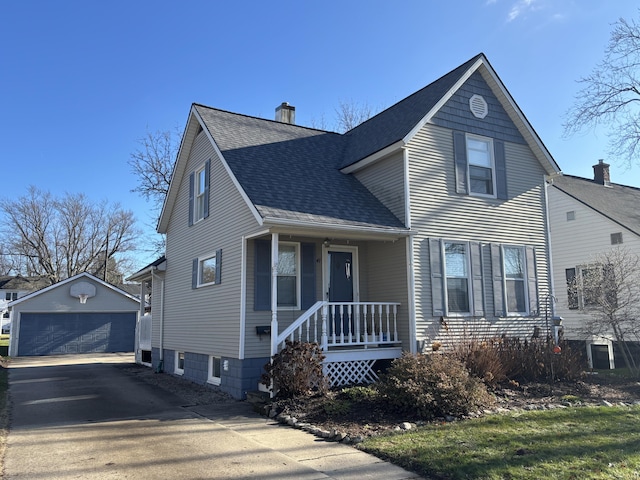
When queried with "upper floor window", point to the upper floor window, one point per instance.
{"points": [[457, 277], [480, 166], [616, 238], [11, 296], [592, 286], [199, 193], [481, 169], [515, 278]]}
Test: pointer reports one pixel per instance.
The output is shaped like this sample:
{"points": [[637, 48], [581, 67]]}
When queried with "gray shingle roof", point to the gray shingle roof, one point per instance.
{"points": [[620, 203], [292, 172], [18, 282]]}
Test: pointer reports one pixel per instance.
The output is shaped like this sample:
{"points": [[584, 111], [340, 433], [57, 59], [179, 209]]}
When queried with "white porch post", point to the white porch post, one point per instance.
{"points": [[274, 293]]}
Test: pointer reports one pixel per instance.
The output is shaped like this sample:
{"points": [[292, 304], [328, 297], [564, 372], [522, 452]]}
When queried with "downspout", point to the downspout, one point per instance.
{"points": [[243, 297], [552, 293], [154, 275]]}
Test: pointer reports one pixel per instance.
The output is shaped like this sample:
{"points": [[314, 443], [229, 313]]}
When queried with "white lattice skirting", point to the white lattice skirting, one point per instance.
{"points": [[350, 372]]}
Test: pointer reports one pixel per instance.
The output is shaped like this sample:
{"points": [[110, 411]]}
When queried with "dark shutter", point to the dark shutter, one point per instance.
{"points": [[207, 175], [262, 293], [308, 265], [194, 273], [477, 279], [532, 281], [218, 265], [192, 179], [572, 288], [501, 169], [460, 157], [437, 278], [498, 281]]}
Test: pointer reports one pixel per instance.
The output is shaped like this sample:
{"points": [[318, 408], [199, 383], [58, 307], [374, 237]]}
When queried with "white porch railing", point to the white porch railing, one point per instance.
{"points": [[343, 324]]}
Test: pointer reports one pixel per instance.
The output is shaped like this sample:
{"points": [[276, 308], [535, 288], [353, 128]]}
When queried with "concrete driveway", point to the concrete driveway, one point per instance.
{"points": [[83, 417]]}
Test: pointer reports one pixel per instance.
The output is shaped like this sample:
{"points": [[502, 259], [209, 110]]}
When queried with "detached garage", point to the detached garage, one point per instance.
{"points": [[81, 314]]}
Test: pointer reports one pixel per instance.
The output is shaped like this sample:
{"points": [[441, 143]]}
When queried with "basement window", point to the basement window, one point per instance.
{"points": [[179, 363]]}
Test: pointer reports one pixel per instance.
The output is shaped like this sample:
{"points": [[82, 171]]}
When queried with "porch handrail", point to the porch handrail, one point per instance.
{"points": [[343, 324]]}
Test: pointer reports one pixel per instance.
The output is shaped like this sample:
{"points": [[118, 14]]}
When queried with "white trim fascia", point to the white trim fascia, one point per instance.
{"points": [[444, 99], [71, 279], [243, 297], [260, 233], [146, 273], [407, 189], [379, 155], [284, 222], [243, 194], [181, 167]]}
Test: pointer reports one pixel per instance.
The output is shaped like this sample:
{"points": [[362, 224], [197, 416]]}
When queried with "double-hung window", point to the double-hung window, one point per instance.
{"points": [[288, 277], [199, 194], [456, 261], [515, 278], [592, 286], [481, 167]]}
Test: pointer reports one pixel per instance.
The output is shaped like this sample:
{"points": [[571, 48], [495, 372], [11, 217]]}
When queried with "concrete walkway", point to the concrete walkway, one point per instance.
{"points": [[82, 418]]}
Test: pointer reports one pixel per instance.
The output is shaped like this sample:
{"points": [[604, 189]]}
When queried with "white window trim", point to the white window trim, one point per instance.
{"points": [[176, 369], [197, 195], [211, 379], [488, 140], [468, 277], [203, 259], [355, 267], [298, 277], [525, 280]]}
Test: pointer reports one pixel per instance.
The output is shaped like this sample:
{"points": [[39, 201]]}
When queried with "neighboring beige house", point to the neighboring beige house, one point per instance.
{"points": [[587, 218], [424, 223]]}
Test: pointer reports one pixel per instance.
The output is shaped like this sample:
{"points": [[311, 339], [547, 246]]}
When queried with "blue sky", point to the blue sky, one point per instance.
{"points": [[81, 81]]}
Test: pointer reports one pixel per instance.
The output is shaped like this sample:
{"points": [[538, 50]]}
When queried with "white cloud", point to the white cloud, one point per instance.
{"points": [[520, 7]]}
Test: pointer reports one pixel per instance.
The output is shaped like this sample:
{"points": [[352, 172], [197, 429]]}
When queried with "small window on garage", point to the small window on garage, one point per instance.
{"points": [[215, 367], [179, 364]]}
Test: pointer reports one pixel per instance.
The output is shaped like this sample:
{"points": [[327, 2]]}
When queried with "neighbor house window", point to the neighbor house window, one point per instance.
{"points": [[457, 277], [179, 363], [215, 366], [288, 278], [515, 279], [596, 286], [207, 270], [571, 215], [616, 238], [481, 168]]}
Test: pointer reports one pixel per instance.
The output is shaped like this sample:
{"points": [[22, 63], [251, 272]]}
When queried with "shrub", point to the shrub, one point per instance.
{"points": [[432, 386], [296, 370], [482, 359]]}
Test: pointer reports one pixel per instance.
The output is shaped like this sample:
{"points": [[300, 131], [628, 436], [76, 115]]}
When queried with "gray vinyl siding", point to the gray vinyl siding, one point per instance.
{"points": [[439, 212], [385, 179], [390, 286], [58, 300], [593, 231], [205, 320]]}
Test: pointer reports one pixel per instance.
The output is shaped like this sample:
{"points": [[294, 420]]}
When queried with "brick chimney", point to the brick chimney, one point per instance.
{"points": [[286, 113], [601, 173]]}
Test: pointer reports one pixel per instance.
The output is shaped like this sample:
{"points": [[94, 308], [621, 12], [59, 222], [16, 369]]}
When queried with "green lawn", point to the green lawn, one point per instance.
{"points": [[572, 443]]}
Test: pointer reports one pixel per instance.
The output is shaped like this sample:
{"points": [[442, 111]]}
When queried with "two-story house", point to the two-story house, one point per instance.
{"points": [[589, 217], [423, 224]]}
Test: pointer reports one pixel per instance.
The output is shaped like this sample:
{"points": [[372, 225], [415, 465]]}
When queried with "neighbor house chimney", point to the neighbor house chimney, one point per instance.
{"points": [[601, 173], [286, 113]]}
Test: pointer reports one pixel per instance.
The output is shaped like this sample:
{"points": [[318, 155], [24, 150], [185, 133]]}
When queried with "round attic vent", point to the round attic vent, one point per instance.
{"points": [[478, 106]]}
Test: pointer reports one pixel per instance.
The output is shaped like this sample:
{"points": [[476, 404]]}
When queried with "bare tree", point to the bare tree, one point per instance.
{"points": [[609, 291], [61, 237], [152, 163], [351, 114], [610, 95]]}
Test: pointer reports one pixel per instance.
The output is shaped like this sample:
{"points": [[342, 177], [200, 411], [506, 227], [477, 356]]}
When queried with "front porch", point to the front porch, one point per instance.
{"points": [[352, 336]]}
